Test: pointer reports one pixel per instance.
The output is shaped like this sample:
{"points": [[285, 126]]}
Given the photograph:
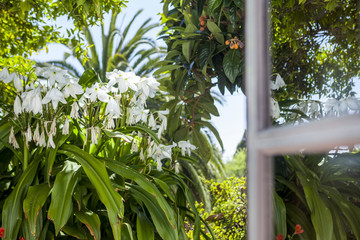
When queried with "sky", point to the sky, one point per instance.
{"points": [[232, 120]]}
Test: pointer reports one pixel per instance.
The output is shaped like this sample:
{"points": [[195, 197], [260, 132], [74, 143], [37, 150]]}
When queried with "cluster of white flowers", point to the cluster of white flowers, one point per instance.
{"points": [[55, 98]]}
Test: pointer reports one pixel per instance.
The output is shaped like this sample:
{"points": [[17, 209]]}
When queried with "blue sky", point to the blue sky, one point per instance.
{"points": [[232, 120]]}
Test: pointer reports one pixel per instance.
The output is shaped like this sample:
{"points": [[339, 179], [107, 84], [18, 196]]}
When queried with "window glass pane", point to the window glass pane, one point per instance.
{"points": [[315, 50]]}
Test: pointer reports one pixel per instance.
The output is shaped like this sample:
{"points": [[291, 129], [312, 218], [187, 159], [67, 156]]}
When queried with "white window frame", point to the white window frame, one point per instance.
{"points": [[264, 141]]}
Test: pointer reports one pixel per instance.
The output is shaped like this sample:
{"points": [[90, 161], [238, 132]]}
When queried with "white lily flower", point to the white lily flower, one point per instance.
{"points": [[177, 166], [74, 111], [55, 74], [36, 136], [152, 122], [112, 108], [134, 146], [279, 83], [50, 142], [97, 92], [17, 106], [142, 156], [66, 126], [72, 88], [42, 140], [159, 165], [275, 109], [32, 101], [140, 114], [55, 96], [124, 80], [186, 147], [18, 83], [93, 132], [53, 128], [148, 86], [12, 139], [5, 75], [28, 135]]}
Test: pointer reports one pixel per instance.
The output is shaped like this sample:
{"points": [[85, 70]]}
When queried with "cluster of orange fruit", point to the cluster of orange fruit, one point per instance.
{"points": [[234, 43], [202, 23]]}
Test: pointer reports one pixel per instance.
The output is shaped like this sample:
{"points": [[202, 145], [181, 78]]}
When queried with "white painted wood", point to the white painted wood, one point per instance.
{"points": [[317, 136], [260, 174]]}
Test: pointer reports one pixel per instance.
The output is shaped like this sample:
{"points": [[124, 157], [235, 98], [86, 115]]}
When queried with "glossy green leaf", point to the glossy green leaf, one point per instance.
{"points": [[61, 207], [166, 68], [140, 128], [165, 228], [212, 5], [231, 64], [97, 174], [75, 231], [34, 201], [12, 213], [216, 31], [126, 232], [88, 78], [188, 45], [144, 228], [279, 216], [92, 222]]}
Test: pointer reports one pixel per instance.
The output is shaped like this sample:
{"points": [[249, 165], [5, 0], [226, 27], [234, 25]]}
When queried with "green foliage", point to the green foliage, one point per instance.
{"points": [[321, 188], [25, 24], [237, 166], [228, 214]]}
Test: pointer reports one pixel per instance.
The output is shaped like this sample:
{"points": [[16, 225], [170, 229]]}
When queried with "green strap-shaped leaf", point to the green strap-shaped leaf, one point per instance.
{"points": [[92, 222], [145, 184], [33, 203], [160, 219], [279, 216], [61, 207], [144, 228], [12, 209], [96, 172], [140, 128], [126, 232]]}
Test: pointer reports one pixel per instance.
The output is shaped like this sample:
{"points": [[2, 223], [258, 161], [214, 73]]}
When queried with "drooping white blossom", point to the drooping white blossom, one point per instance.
{"points": [[18, 83], [93, 132], [42, 140], [72, 88], [36, 136], [50, 142], [32, 101], [148, 86], [112, 108], [5, 75], [55, 96], [186, 147], [28, 135], [152, 122], [275, 109], [66, 126], [97, 92], [17, 106], [134, 146], [74, 111], [52, 131], [12, 139], [279, 83]]}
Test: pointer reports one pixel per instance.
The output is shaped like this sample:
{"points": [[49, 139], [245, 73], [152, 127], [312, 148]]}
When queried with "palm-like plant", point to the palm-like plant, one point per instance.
{"points": [[119, 51]]}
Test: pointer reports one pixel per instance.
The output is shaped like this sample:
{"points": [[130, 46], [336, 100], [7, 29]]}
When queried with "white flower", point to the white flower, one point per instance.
{"points": [[148, 86], [97, 92], [36, 136], [55, 74], [18, 83], [159, 165], [353, 103], [134, 146], [28, 135], [177, 165], [142, 156], [55, 96], [93, 132], [279, 83], [17, 106], [65, 129], [12, 138], [112, 108], [124, 80], [186, 147], [152, 122], [275, 109], [74, 111], [50, 142], [140, 114], [32, 101], [5, 75], [42, 140], [53, 128], [72, 88]]}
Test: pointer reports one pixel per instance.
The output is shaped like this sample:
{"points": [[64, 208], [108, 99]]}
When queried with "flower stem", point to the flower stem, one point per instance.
{"points": [[26, 156]]}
